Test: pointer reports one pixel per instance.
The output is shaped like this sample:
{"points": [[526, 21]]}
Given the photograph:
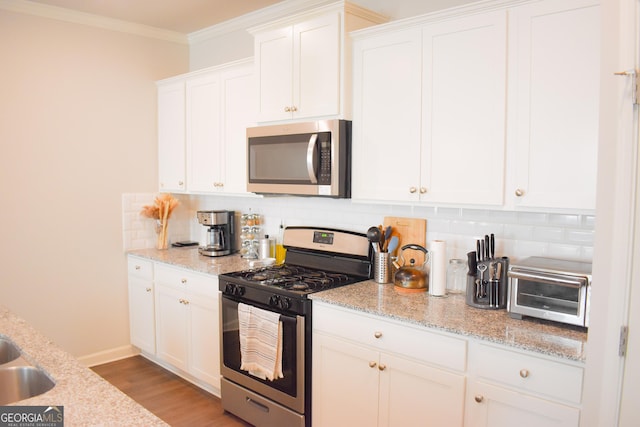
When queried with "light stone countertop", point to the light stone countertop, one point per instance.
{"points": [[87, 398], [449, 314], [452, 314]]}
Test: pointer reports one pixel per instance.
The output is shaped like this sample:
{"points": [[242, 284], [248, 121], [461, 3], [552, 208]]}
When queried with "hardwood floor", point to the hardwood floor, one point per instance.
{"points": [[169, 397]]}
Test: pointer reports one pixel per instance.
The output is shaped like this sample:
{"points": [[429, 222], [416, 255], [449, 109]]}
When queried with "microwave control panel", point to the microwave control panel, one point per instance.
{"points": [[324, 175]]}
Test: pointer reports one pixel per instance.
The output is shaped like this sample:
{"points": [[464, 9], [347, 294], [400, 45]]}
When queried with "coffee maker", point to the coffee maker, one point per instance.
{"points": [[221, 232]]}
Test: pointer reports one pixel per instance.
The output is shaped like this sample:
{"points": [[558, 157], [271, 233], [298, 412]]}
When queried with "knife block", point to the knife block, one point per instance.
{"points": [[479, 296]]}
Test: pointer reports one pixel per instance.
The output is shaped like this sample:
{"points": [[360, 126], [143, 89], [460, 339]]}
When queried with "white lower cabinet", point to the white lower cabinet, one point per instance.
{"points": [[141, 304], [371, 372], [508, 388], [187, 322]]}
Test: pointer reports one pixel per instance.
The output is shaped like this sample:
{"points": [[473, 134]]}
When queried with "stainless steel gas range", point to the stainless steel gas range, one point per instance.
{"points": [[317, 259]]}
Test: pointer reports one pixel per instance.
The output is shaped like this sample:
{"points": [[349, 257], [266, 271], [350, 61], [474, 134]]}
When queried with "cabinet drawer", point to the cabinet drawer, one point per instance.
{"points": [[189, 281], [139, 267], [557, 380], [381, 334]]}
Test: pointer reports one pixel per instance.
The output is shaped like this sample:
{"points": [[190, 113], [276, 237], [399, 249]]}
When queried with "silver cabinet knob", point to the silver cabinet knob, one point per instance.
{"points": [[287, 109], [412, 190], [423, 190], [183, 281], [519, 192], [524, 373], [372, 364], [148, 289], [377, 334], [137, 267], [180, 183], [478, 398], [294, 109], [382, 367]]}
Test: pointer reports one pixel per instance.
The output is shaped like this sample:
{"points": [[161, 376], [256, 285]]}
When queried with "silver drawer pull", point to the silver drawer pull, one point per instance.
{"points": [[377, 334], [372, 364], [478, 398], [524, 373]]}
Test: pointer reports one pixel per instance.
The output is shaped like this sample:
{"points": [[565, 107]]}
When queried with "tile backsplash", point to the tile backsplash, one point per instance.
{"points": [[518, 234]]}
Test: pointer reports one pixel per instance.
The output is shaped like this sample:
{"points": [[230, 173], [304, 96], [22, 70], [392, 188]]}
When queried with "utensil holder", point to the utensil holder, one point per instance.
{"points": [[485, 293], [382, 267]]}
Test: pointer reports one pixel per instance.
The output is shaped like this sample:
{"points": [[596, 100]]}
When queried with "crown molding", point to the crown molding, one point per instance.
{"points": [[82, 18], [258, 17]]}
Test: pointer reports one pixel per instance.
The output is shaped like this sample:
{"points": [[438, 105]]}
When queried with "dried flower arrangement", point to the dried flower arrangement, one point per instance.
{"points": [[161, 210]]}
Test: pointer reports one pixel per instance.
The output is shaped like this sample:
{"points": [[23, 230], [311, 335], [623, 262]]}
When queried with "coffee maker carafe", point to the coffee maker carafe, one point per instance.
{"points": [[220, 232]]}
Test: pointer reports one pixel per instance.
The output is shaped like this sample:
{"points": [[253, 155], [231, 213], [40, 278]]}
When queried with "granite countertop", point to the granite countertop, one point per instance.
{"points": [[87, 398], [448, 314], [452, 314], [188, 257]]}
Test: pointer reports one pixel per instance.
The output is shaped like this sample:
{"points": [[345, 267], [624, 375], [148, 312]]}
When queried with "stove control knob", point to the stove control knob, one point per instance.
{"points": [[238, 290], [228, 289], [274, 301], [285, 303]]}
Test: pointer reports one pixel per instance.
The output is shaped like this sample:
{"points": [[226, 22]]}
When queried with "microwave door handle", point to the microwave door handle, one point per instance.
{"points": [[562, 280], [311, 150]]}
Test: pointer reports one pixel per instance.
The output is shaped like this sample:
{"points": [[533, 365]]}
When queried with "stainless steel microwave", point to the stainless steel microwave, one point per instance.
{"points": [[307, 159], [551, 289]]}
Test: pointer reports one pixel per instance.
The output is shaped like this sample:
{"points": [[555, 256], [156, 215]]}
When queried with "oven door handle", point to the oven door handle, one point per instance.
{"points": [[556, 279], [311, 158]]}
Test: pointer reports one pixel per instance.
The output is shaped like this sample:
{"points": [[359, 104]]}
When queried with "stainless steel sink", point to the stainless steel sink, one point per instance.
{"points": [[21, 382], [19, 379], [8, 351]]}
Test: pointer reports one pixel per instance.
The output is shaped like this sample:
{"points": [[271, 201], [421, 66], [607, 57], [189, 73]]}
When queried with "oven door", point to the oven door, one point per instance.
{"points": [[288, 391], [550, 296]]}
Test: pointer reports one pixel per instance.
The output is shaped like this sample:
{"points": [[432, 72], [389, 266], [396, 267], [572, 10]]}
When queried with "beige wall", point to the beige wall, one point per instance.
{"points": [[78, 129]]}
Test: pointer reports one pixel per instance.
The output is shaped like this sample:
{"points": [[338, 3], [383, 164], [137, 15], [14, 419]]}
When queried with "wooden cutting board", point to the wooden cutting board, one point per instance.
{"points": [[409, 230]]}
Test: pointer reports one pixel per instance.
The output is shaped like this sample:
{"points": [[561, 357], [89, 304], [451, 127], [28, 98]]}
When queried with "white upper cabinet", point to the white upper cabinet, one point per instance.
{"points": [[482, 105], [463, 113], [302, 63], [386, 117], [202, 124], [171, 137], [554, 62], [204, 140], [429, 112]]}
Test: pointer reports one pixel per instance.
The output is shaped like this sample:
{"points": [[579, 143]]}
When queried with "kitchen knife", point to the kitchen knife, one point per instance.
{"points": [[481, 250], [478, 253], [492, 243], [486, 246]]}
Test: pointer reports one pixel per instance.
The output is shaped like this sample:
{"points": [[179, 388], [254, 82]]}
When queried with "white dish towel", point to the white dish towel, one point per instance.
{"points": [[260, 342]]}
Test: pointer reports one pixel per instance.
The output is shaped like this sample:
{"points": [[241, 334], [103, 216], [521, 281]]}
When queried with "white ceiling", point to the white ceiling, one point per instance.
{"points": [[182, 16]]}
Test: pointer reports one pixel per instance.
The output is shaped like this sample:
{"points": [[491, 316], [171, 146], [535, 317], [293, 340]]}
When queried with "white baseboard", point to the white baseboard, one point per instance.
{"points": [[110, 355]]}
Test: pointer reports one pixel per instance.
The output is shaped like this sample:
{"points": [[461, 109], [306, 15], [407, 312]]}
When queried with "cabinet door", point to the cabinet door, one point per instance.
{"points": [[414, 394], [492, 406], [554, 67], [464, 92], [345, 383], [204, 346], [141, 314], [274, 68], [239, 113], [316, 67], [172, 326], [386, 117], [204, 145], [171, 137]]}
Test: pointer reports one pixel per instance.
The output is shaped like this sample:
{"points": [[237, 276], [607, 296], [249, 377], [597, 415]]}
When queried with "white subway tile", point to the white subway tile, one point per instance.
{"points": [[583, 237], [549, 234], [532, 218], [518, 232], [564, 251], [568, 220]]}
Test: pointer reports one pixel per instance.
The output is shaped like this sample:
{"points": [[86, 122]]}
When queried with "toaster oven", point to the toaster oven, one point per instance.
{"points": [[550, 289]]}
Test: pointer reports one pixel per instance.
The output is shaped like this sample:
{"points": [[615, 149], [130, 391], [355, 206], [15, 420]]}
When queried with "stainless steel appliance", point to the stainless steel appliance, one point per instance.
{"points": [[311, 159], [551, 289], [317, 259], [221, 232]]}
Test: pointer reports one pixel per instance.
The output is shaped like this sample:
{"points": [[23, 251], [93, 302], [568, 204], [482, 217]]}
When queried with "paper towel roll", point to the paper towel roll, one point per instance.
{"points": [[438, 276]]}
